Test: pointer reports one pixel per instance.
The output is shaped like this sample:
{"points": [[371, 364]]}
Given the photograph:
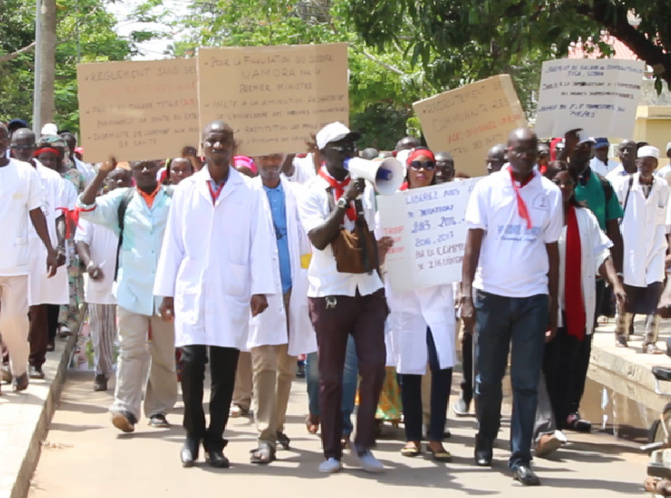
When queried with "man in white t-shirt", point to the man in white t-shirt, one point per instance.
{"points": [[600, 162], [665, 172], [97, 247], [344, 303], [515, 220], [21, 200], [626, 151]]}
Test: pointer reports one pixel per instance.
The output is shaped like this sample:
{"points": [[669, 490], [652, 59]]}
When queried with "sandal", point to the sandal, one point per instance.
{"points": [[411, 449], [651, 348], [264, 454], [283, 440], [621, 341], [312, 424], [441, 455]]}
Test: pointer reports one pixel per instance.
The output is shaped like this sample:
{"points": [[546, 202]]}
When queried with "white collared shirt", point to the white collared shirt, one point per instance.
{"points": [[602, 168], [20, 193], [323, 276], [513, 259]]}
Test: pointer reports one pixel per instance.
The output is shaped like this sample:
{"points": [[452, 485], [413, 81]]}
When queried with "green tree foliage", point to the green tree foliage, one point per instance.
{"points": [[85, 33], [383, 84], [459, 41]]}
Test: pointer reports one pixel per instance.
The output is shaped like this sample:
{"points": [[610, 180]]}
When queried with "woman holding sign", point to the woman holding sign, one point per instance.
{"points": [[422, 324]]}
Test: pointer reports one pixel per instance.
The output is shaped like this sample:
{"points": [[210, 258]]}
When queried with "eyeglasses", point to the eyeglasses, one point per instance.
{"points": [[21, 147], [563, 183], [342, 148], [427, 165]]}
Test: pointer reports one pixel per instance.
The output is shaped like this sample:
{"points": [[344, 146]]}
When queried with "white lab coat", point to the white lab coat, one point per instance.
{"points": [[594, 250], [214, 258], [644, 231], [411, 313], [58, 194], [270, 327]]}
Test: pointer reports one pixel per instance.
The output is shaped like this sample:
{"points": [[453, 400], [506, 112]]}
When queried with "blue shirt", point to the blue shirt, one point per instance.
{"points": [[278, 208], [142, 238]]}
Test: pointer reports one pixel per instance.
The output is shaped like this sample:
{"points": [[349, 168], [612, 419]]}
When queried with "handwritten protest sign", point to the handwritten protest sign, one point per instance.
{"points": [[138, 110], [468, 121], [274, 97], [599, 96], [429, 234]]}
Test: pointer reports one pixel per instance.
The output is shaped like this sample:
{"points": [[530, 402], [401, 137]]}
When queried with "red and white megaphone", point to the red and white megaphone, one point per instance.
{"points": [[386, 176]]}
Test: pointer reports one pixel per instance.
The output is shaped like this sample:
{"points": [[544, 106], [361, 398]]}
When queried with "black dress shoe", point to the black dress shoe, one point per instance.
{"points": [[483, 452], [216, 458], [526, 476], [189, 453]]}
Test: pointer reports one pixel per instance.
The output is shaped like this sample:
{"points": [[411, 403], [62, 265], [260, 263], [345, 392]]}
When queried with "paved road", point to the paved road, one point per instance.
{"points": [[84, 456]]}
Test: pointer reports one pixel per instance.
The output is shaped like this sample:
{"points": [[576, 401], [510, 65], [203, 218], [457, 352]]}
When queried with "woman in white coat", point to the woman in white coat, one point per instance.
{"points": [[583, 251], [284, 330], [423, 325]]}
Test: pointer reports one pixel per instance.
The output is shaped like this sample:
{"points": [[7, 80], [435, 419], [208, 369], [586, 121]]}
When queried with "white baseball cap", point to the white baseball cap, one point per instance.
{"points": [[334, 132], [648, 151], [584, 138]]}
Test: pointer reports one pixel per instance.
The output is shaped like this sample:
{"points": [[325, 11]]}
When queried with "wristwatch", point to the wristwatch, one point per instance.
{"points": [[342, 203]]}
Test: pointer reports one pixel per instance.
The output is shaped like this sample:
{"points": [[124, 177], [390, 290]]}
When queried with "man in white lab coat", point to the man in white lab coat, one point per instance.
{"points": [[284, 331], [43, 291], [645, 199], [216, 263]]}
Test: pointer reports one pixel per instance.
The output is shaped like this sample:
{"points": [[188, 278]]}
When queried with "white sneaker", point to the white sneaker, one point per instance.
{"points": [[330, 466], [369, 463]]}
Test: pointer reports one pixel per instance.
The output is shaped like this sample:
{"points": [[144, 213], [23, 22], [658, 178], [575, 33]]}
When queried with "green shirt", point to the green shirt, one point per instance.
{"points": [[592, 194]]}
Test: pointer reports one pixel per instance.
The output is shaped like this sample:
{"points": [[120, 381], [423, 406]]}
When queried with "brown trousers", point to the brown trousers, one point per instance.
{"points": [[334, 318]]}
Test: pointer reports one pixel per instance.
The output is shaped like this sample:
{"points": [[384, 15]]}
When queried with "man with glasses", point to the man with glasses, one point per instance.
{"points": [[20, 207], [59, 196], [138, 216], [341, 303], [515, 220]]}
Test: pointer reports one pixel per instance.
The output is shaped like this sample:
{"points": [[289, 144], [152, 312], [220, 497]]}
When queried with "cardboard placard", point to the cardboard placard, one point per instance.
{"points": [[274, 97], [138, 110], [599, 96], [468, 121], [429, 232]]}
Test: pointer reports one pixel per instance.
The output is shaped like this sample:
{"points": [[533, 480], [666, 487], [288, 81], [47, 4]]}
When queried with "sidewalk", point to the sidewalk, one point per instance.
{"points": [[627, 370], [25, 418], [24, 421]]}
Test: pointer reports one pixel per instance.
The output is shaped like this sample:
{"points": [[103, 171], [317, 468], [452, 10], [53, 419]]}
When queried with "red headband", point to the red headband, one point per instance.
{"points": [[46, 149], [420, 152]]}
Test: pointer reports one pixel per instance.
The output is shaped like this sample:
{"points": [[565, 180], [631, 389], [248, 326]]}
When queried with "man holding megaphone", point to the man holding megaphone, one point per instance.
{"points": [[346, 294]]}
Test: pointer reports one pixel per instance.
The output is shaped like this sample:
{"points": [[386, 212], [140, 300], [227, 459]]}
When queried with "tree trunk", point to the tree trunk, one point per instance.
{"points": [[46, 65]]}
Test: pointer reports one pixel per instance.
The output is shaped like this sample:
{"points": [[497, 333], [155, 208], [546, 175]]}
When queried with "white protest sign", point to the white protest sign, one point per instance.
{"points": [[599, 96], [469, 120], [138, 110], [429, 234], [275, 97]]}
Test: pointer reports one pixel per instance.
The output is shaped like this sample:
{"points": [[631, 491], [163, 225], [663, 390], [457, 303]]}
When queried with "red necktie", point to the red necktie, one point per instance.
{"points": [[521, 205], [339, 188], [576, 318], [215, 193]]}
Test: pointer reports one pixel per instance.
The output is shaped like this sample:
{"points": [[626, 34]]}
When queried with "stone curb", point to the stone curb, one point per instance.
{"points": [[27, 449]]}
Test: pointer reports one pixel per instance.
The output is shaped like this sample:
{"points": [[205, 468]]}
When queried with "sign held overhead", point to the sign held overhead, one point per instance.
{"points": [[469, 120], [138, 110], [274, 97]]}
